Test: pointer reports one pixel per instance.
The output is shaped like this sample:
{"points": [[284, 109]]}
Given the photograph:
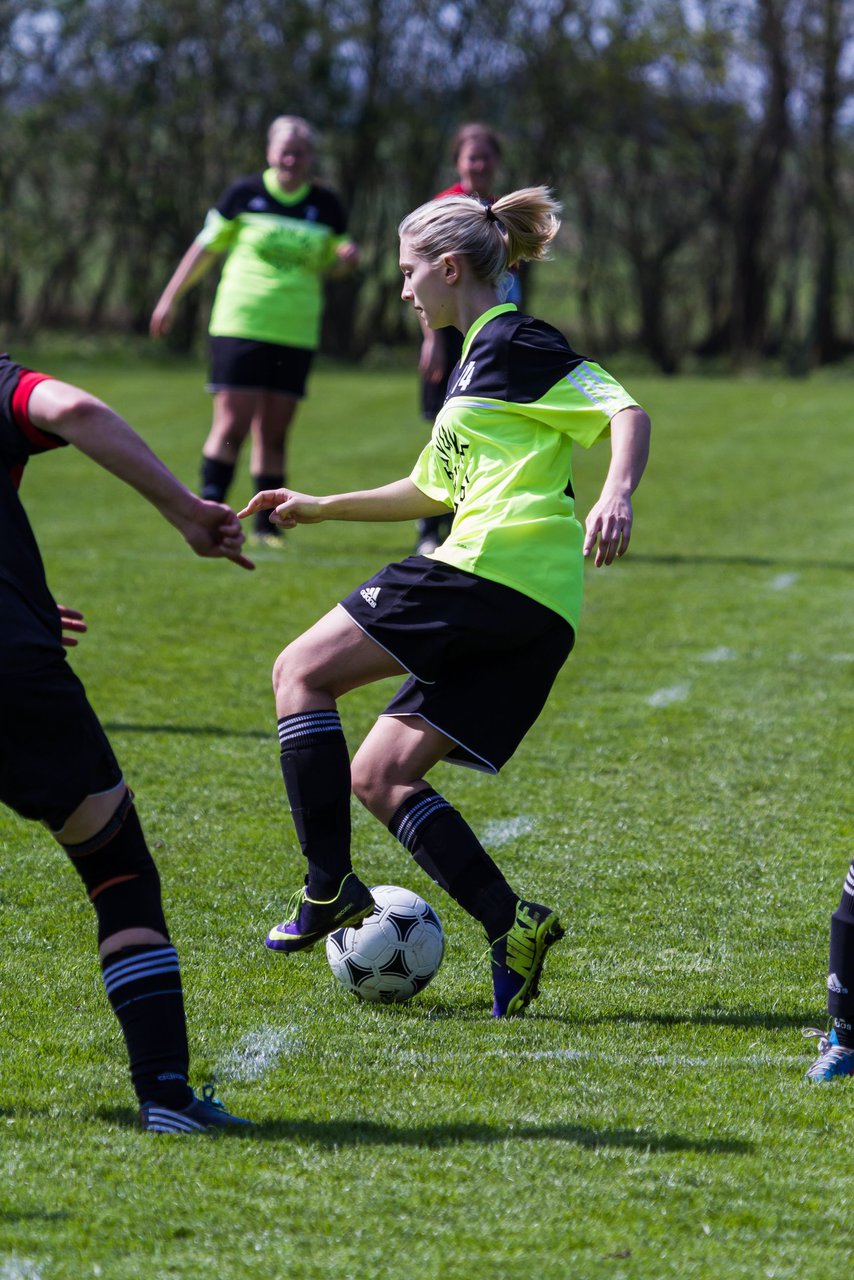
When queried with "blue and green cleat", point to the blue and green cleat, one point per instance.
{"points": [[311, 920], [833, 1059], [518, 957], [202, 1115]]}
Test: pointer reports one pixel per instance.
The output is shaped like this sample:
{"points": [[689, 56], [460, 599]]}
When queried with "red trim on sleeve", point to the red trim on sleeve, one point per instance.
{"points": [[21, 410]]}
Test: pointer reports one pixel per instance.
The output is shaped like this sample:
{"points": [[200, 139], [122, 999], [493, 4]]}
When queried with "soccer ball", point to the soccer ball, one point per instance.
{"points": [[395, 952]]}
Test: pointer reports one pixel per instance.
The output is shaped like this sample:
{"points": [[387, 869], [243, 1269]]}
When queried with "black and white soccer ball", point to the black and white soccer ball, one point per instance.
{"points": [[396, 951]]}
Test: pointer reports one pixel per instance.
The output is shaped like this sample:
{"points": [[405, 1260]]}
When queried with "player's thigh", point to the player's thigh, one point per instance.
{"points": [[398, 751], [332, 657]]}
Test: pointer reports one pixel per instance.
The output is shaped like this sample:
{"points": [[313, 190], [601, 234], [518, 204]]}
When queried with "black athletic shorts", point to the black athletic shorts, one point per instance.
{"points": [[482, 657], [53, 751], [242, 364]]}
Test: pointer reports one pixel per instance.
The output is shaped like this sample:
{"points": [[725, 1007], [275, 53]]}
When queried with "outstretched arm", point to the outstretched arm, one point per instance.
{"points": [[195, 263], [95, 429], [610, 520], [400, 500]]}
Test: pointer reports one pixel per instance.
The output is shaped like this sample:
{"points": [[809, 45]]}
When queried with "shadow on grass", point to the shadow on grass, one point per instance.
{"points": [[749, 562], [707, 1018], [32, 1215], [191, 730], [369, 1133]]}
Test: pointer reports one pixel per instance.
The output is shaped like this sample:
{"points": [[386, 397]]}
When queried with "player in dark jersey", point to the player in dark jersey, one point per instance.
{"points": [[56, 764], [281, 234], [476, 153], [483, 624]]}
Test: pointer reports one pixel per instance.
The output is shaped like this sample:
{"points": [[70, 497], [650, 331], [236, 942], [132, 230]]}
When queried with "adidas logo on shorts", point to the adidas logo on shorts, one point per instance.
{"points": [[371, 595], [833, 984]]}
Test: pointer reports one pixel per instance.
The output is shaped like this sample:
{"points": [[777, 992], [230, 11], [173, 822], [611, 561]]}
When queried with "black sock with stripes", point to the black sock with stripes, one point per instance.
{"points": [[216, 479], [840, 981], [444, 845], [316, 769], [270, 480], [143, 985]]}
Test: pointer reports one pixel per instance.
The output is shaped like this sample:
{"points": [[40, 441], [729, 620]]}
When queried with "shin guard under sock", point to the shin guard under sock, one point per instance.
{"points": [[444, 845], [316, 770], [216, 478], [268, 480], [840, 981], [143, 985]]}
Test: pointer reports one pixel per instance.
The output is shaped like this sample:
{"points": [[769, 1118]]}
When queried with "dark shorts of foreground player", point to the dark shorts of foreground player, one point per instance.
{"points": [[53, 751], [482, 657]]}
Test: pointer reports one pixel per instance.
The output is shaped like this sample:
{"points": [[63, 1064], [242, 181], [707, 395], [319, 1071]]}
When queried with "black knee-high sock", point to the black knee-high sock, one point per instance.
{"points": [[268, 480], [444, 845], [840, 981], [316, 769], [144, 987], [216, 479]]}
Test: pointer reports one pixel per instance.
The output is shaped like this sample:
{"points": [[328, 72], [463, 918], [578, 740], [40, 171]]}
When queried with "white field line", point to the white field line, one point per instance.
{"points": [[19, 1269], [667, 697], [723, 653], [257, 1054], [502, 832]]}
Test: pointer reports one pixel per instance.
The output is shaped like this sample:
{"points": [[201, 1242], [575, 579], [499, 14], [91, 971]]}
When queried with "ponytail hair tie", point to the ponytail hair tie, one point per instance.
{"points": [[490, 217]]}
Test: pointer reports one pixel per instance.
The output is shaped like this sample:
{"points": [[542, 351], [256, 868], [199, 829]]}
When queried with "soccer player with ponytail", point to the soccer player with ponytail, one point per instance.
{"points": [[482, 625]]}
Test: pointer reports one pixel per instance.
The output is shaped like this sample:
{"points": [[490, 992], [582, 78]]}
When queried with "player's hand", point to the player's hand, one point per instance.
{"points": [[287, 508], [348, 253], [431, 361], [70, 620], [161, 321], [214, 532], [609, 528]]}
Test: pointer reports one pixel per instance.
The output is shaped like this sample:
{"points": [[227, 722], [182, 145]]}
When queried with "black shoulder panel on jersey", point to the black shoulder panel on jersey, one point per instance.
{"points": [[13, 450], [249, 195], [514, 358], [245, 193]]}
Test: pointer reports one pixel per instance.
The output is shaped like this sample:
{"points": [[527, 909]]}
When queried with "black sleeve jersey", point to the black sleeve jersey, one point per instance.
{"points": [[21, 568], [250, 195], [516, 358]]}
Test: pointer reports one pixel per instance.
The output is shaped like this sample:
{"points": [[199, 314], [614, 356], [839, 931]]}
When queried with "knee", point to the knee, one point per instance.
{"points": [[371, 785], [91, 816], [295, 676]]}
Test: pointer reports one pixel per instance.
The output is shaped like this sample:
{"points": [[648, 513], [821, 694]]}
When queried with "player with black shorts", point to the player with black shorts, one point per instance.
{"points": [[281, 233], [482, 625], [56, 764]]}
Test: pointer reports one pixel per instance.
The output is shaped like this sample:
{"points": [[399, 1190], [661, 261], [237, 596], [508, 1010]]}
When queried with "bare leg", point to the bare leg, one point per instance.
{"points": [[272, 419], [233, 411]]}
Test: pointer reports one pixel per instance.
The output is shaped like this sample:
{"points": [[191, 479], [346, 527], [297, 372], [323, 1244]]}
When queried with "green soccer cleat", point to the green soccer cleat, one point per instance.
{"points": [[311, 920], [518, 957]]}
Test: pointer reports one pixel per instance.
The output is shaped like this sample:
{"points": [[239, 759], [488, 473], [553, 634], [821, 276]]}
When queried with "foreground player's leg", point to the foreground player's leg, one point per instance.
{"points": [[104, 840], [388, 778], [331, 658], [836, 1047]]}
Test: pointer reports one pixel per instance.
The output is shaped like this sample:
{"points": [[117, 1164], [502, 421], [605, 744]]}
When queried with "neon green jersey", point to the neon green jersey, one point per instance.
{"points": [[278, 246], [500, 455]]}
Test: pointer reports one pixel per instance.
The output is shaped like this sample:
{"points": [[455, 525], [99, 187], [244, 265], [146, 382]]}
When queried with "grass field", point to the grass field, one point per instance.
{"points": [[683, 799]]}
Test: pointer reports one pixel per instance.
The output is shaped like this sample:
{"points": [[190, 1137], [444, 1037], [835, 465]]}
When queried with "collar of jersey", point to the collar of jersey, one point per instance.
{"points": [[284, 197], [481, 321]]}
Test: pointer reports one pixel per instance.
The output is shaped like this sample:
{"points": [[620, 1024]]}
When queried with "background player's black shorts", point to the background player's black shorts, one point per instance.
{"points": [[242, 364], [482, 657], [53, 751]]}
